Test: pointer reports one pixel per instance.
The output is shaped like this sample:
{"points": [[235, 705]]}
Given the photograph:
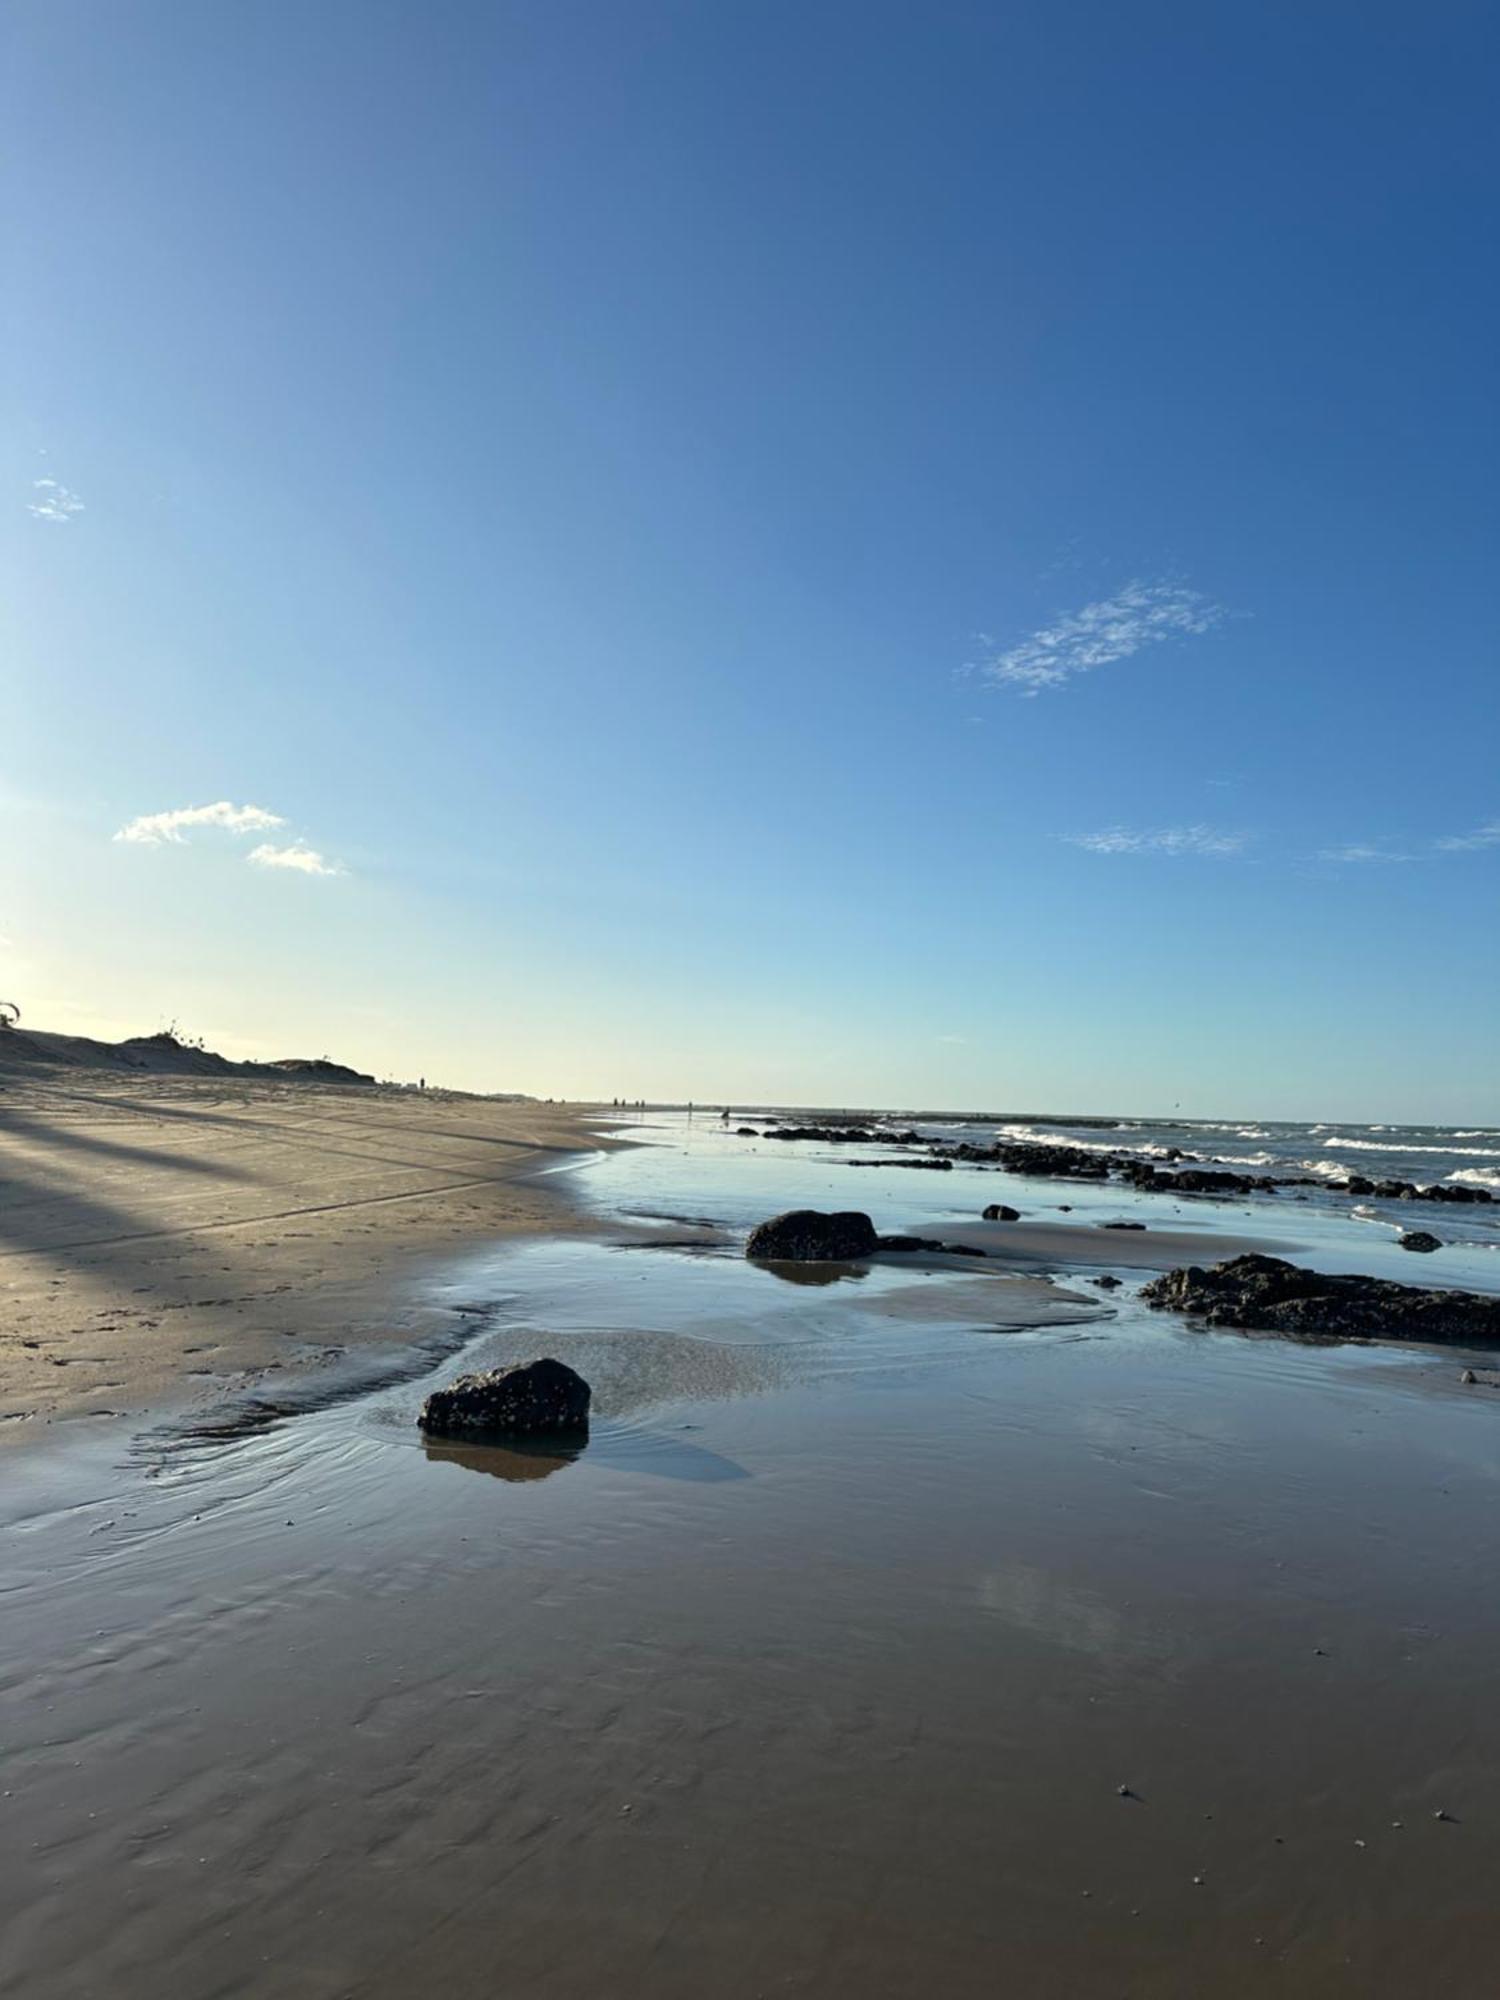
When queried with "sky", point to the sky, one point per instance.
{"points": [[933, 554]]}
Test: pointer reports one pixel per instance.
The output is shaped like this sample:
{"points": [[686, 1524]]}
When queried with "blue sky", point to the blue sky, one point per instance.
{"points": [[842, 553]]}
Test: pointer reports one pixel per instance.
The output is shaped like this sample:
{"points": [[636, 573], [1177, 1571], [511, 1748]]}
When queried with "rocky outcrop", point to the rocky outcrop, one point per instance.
{"points": [[1193, 1180], [1455, 1191], [842, 1135], [998, 1212], [1267, 1294], [928, 1243], [1060, 1161], [808, 1236], [530, 1399], [1025, 1156]]}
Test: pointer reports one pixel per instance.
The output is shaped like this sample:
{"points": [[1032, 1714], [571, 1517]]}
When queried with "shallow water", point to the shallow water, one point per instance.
{"points": [[818, 1670]]}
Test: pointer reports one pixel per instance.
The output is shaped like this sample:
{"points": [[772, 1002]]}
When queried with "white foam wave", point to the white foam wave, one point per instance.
{"points": [[1485, 1177], [1383, 1146]]}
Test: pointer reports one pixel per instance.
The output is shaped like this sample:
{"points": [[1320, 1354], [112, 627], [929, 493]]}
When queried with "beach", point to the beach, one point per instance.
{"points": [[923, 1623], [162, 1237]]}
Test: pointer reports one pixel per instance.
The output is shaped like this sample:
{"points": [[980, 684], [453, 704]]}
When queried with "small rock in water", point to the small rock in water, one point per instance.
{"points": [[1122, 1225], [998, 1212], [1420, 1239], [1106, 1283], [1468, 1376], [529, 1398]]}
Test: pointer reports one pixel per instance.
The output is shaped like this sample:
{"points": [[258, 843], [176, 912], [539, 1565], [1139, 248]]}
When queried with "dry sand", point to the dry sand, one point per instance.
{"points": [[161, 1236]]}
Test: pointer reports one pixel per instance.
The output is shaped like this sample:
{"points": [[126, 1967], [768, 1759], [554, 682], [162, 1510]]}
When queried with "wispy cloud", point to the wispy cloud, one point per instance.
{"points": [[1487, 835], [53, 502], [1142, 614], [306, 860], [152, 829], [1162, 840], [1361, 850]]}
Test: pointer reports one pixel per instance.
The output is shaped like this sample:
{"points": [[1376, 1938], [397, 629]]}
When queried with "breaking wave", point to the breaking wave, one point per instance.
{"points": [[1383, 1146]]}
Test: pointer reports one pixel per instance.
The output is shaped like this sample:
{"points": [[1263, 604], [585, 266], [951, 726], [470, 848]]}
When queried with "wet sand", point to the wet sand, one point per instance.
{"points": [[162, 1238], [820, 1669]]}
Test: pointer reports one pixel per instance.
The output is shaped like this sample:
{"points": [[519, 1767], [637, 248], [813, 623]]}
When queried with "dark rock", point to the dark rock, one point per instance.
{"points": [[1122, 1225], [932, 1166], [998, 1212], [1106, 1283], [1357, 1184], [1418, 1239], [1469, 1377], [1267, 1294], [808, 1236], [748, 1132], [830, 1135], [1024, 1156], [927, 1243], [531, 1397], [1191, 1180]]}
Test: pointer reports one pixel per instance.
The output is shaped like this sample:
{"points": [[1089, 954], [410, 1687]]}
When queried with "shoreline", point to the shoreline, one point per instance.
{"points": [[1129, 1657], [170, 1241]]}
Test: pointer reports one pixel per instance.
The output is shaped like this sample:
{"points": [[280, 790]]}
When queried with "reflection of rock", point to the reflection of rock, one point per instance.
{"points": [[814, 1274], [1268, 1294], [521, 1458], [529, 1398], [807, 1235]]}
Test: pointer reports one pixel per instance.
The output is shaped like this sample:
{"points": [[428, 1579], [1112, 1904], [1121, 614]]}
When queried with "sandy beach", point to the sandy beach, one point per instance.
{"points": [[163, 1237]]}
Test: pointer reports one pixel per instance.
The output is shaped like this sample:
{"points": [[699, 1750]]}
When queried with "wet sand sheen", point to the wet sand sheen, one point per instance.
{"points": [[819, 1670]]}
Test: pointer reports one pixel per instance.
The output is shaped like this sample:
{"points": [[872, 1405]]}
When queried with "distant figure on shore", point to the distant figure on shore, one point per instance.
{"points": [[724, 1115]]}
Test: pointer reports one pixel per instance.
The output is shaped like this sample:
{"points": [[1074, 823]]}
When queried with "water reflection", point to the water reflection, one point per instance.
{"points": [[517, 1458], [810, 1274]]}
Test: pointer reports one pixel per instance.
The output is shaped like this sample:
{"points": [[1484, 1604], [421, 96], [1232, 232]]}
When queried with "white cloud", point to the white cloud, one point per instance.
{"points": [[1487, 835], [1362, 850], [306, 860], [53, 502], [1162, 840], [1142, 614], [154, 828]]}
